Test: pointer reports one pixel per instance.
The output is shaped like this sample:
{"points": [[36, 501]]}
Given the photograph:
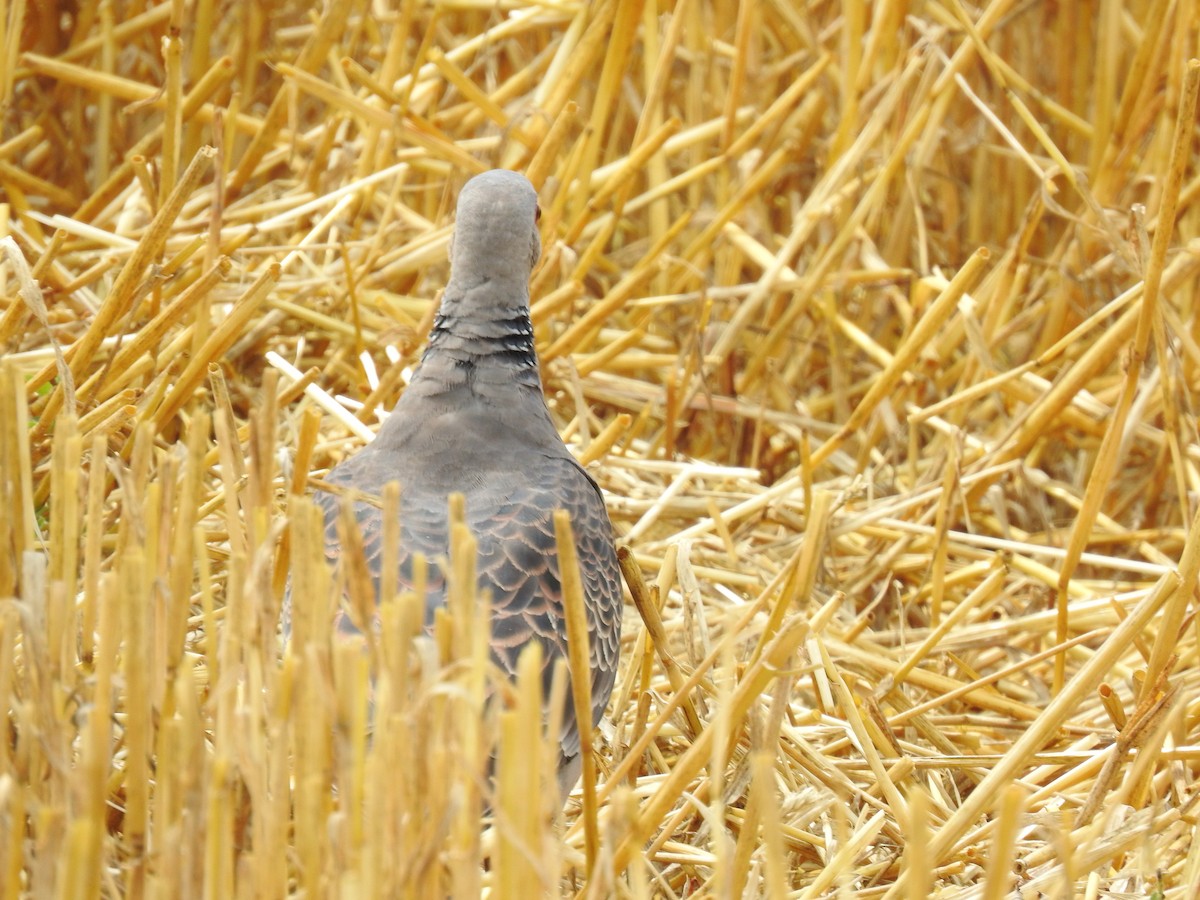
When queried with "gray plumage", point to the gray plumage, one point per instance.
{"points": [[474, 420]]}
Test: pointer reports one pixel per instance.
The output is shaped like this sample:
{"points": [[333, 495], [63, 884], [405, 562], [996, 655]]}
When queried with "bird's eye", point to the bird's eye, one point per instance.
{"points": [[537, 214]]}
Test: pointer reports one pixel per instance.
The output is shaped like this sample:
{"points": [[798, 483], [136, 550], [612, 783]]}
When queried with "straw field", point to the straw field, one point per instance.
{"points": [[878, 324]]}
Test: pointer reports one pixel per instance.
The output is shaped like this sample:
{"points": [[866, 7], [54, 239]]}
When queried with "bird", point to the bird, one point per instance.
{"points": [[474, 420]]}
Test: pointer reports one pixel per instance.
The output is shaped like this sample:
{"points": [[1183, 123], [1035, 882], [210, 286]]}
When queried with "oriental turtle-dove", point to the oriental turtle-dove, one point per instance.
{"points": [[473, 420]]}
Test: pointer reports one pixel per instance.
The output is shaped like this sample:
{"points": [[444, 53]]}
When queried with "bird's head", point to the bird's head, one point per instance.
{"points": [[495, 231]]}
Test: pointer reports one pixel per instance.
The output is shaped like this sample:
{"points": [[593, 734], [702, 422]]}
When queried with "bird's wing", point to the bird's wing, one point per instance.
{"points": [[424, 530], [518, 562], [513, 522]]}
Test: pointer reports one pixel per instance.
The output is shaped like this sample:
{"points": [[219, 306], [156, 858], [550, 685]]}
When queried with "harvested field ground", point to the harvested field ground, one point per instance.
{"points": [[878, 323]]}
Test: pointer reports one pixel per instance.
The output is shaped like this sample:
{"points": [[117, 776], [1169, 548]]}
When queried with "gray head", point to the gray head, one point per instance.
{"points": [[495, 232]]}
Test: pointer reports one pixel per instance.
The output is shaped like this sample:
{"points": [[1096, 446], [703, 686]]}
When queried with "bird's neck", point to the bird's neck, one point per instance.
{"points": [[478, 378], [483, 329]]}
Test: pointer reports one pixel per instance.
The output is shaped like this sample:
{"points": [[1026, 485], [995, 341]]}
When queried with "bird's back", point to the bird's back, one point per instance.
{"points": [[512, 481]]}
